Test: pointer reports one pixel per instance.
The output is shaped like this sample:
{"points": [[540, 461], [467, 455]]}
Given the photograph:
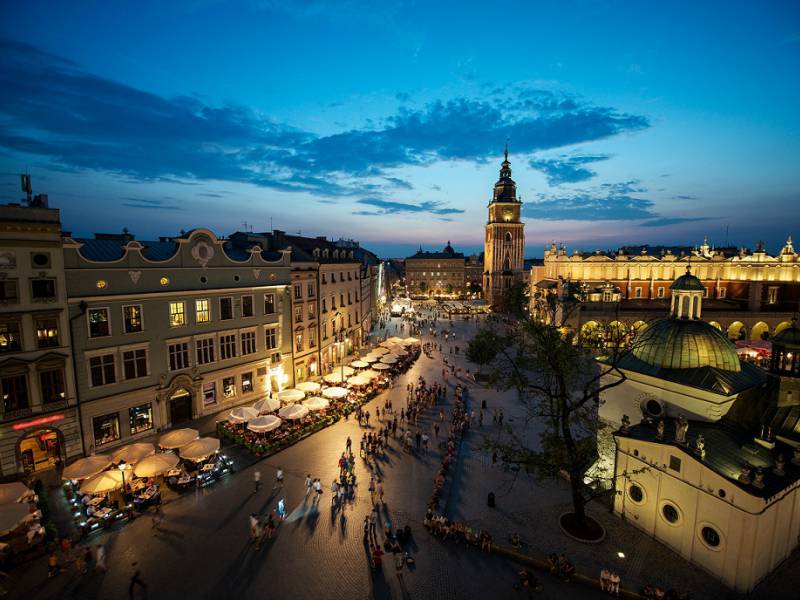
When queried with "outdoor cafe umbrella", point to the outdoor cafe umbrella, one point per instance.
{"points": [[267, 405], [359, 364], [382, 349], [410, 341], [264, 423], [11, 515], [316, 403], [102, 483], [399, 351], [346, 370], [395, 340], [242, 414], [133, 453], [371, 358], [200, 449], [358, 380], [293, 411], [381, 366], [385, 344], [334, 393], [86, 467], [389, 359], [292, 395], [177, 438], [158, 464], [308, 386], [12, 492], [335, 377], [368, 374]]}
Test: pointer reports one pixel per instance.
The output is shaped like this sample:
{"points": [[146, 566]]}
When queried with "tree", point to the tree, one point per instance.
{"points": [[514, 301], [559, 382], [423, 286]]}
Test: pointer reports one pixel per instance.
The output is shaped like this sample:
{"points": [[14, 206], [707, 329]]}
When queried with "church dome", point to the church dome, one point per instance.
{"points": [[685, 344], [687, 282], [789, 338]]}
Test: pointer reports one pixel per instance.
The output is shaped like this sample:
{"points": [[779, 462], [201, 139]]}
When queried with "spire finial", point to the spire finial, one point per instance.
{"points": [[506, 151]]}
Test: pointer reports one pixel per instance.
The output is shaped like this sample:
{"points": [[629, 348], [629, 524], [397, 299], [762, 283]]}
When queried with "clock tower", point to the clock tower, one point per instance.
{"points": [[504, 249]]}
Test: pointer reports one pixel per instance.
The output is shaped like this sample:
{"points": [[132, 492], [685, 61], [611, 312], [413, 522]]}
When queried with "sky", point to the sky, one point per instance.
{"points": [[627, 122]]}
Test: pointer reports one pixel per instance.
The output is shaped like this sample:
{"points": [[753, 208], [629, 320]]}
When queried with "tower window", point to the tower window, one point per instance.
{"points": [[509, 237]]}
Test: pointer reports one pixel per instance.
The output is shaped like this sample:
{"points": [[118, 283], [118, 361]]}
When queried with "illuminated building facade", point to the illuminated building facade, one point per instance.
{"points": [[436, 273]]}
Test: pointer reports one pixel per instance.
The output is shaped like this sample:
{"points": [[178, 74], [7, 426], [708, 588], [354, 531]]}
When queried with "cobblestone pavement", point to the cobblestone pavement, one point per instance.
{"points": [[203, 549]]}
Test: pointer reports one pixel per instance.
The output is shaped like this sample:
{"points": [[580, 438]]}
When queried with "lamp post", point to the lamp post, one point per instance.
{"points": [[122, 466]]}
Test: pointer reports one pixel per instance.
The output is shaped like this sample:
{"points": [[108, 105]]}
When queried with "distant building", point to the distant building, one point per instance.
{"points": [[436, 274]]}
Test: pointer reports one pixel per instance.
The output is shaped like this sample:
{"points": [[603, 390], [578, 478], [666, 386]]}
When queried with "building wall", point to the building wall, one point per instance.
{"points": [[504, 246], [340, 286], [756, 534], [437, 274], [305, 321], [30, 250], [187, 277]]}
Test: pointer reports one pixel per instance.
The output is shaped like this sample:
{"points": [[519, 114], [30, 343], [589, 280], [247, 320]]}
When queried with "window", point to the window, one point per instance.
{"points": [[227, 346], [134, 363], [202, 312], [247, 383], [248, 342], [324, 279], [722, 292], [298, 291], [349, 298], [275, 358], [229, 387], [178, 356], [177, 314], [9, 293], [52, 384], [324, 306], [705, 291], [636, 493], [132, 318], [43, 290], [269, 304], [341, 299], [225, 308], [10, 337], [333, 277], [772, 295], [324, 331], [40, 260], [333, 302], [101, 370], [349, 321], [310, 290], [660, 292], [15, 392], [106, 429], [312, 312], [298, 342], [98, 322], [205, 351], [271, 338], [356, 295], [141, 418], [670, 513], [637, 292], [209, 393], [298, 313], [675, 463], [312, 338], [710, 536], [247, 306]]}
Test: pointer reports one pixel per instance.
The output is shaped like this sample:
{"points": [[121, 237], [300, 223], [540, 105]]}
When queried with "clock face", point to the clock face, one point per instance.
{"points": [[507, 214]]}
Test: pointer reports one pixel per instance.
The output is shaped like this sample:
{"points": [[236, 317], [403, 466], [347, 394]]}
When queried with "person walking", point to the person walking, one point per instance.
{"points": [[372, 489], [309, 482], [349, 445], [334, 492], [318, 489], [270, 528], [282, 509], [399, 563], [253, 526], [136, 580], [158, 517], [278, 479], [256, 481], [380, 490], [100, 559]]}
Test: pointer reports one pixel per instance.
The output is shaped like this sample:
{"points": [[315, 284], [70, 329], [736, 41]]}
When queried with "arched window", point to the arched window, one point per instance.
{"points": [[507, 264], [509, 237]]}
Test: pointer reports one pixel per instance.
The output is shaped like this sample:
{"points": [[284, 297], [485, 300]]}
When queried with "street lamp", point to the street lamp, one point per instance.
{"points": [[122, 466]]}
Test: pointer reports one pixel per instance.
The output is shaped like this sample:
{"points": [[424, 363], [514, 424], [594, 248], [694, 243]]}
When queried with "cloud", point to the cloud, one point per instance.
{"points": [[390, 207], [399, 183], [566, 168], [685, 197], [148, 203], [53, 109], [666, 221]]}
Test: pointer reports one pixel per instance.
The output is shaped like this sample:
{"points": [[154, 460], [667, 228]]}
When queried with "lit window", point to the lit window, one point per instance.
{"points": [[177, 315], [202, 311], [247, 383], [98, 322], [47, 332], [132, 317], [141, 418]]}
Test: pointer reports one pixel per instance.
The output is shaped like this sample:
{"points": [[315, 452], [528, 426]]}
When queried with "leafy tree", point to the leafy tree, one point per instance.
{"points": [[559, 383], [514, 301], [423, 286]]}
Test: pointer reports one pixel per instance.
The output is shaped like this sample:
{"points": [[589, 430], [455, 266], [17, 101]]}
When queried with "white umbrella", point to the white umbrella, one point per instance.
{"points": [[371, 358], [156, 464], [292, 395], [368, 373], [293, 411], [242, 414], [200, 449], [334, 393], [308, 386], [177, 438], [381, 366], [382, 349], [267, 405], [395, 340], [389, 359], [133, 453], [399, 351], [264, 424], [335, 377], [86, 467], [386, 344], [104, 482], [410, 341], [316, 403], [348, 371], [11, 515], [12, 492], [359, 364], [358, 380]]}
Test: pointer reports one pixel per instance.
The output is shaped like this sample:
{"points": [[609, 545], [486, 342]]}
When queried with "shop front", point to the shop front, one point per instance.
{"points": [[40, 449], [39, 442]]}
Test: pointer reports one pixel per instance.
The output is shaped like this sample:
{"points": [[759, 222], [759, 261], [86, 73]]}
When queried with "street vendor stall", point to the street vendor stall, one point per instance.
{"points": [[291, 395], [86, 467], [178, 438], [267, 405]]}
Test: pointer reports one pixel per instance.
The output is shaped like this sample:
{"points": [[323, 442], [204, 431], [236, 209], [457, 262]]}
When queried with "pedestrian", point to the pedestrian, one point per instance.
{"points": [[366, 528], [425, 439], [136, 580], [278, 479], [100, 559], [157, 518], [253, 526], [309, 482], [52, 565], [380, 490], [87, 559], [257, 481], [436, 429], [399, 563], [334, 492], [317, 488], [282, 509], [372, 489], [349, 445], [270, 529], [500, 418]]}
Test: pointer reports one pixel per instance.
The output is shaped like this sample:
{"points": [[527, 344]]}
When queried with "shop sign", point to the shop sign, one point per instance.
{"points": [[37, 422]]}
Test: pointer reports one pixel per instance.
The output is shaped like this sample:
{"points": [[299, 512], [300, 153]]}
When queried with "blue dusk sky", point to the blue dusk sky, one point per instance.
{"points": [[627, 122]]}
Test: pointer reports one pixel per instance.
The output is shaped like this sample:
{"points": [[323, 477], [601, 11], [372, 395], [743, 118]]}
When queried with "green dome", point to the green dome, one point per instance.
{"points": [[685, 344], [687, 282], [788, 338]]}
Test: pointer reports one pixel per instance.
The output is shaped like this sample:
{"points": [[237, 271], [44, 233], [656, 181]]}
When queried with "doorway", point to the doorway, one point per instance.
{"points": [[180, 406], [40, 450]]}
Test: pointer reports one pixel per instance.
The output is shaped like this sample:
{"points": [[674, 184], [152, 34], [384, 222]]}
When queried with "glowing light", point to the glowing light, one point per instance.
{"points": [[36, 422], [621, 554]]}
